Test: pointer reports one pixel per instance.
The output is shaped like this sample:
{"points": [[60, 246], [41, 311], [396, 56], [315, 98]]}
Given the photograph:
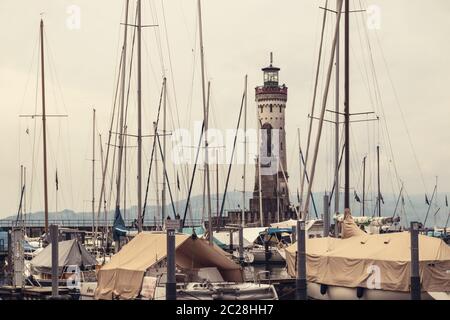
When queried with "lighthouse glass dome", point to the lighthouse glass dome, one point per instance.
{"points": [[271, 76]]}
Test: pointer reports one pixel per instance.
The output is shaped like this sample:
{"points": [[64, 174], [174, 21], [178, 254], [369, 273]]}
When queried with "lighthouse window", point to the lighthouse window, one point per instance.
{"points": [[268, 129], [280, 108], [271, 108]]}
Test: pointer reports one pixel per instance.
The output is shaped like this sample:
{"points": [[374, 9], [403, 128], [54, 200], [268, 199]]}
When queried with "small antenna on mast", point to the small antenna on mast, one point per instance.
{"points": [[271, 58]]}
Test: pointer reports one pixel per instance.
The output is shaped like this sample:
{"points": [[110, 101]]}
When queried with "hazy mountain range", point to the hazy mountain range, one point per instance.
{"points": [[415, 208]]}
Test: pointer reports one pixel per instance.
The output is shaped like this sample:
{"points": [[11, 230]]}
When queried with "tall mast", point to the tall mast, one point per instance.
{"points": [[105, 225], [163, 195], [205, 117], [22, 192], [122, 109], [364, 188], [93, 174], [139, 133], [336, 128], [378, 179], [44, 130], [125, 146], [245, 154], [258, 135], [24, 196], [347, 105], [155, 127], [217, 188]]}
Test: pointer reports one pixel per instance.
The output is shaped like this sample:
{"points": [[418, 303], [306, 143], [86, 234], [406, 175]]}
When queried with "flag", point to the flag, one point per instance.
{"points": [[446, 201], [381, 198], [56, 180], [298, 196], [426, 200], [178, 182], [357, 198], [403, 200]]}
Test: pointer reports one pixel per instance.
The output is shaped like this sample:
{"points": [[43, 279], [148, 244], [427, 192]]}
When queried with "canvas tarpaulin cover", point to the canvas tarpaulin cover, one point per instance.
{"points": [[122, 277], [350, 262], [70, 253]]}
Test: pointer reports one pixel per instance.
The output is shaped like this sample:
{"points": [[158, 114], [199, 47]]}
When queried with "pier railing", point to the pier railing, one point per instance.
{"points": [[86, 223]]}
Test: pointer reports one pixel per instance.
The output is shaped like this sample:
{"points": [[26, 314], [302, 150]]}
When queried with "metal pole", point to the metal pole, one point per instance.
{"points": [[300, 282], [24, 198], [44, 129], [171, 285], [217, 190], [322, 114], [347, 106], [122, 110], [326, 215], [364, 188], [163, 194], [205, 116], [245, 155], [125, 174], [93, 179], [139, 133], [155, 126], [415, 276], [241, 244], [378, 173], [336, 128], [54, 239], [294, 234]]}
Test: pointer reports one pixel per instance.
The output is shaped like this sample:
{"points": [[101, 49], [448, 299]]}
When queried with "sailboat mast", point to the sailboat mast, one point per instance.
{"points": [[245, 154], [125, 173], [205, 117], [93, 174], [217, 189], [163, 194], [44, 129], [139, 133], [24, 197], [258, 135], [347, 105], [155, 127], [122, 109], [378, 181], [336, 124], [364, 188]]}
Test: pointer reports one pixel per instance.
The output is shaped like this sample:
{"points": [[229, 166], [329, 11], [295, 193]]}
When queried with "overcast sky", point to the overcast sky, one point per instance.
{"points": [[408, 43]]}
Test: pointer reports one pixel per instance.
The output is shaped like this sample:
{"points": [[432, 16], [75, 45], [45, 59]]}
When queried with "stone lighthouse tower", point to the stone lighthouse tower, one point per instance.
{"points": [[271, 100]]}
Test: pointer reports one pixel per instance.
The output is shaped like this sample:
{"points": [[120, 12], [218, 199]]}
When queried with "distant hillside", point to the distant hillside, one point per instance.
{"points": [[415, 209]]}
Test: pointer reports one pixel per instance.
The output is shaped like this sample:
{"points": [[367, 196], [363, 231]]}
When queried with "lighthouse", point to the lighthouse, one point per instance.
{"points": [[271, 171]]}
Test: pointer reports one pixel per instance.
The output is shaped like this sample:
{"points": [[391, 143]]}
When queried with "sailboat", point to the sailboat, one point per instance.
{"points": [[360, 266]]}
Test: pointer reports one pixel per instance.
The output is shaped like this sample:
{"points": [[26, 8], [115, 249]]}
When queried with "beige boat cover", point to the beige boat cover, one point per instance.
{"points": [[353, 262], [122, 277]]}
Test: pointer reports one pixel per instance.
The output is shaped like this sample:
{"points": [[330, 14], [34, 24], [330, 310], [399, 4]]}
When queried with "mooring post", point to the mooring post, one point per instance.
{"points": [[300, 282], [171, 284], [17, 239], [415, 276], [241, 244], [326, 215], [54, 240], [231, 241], [294, 234]]}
